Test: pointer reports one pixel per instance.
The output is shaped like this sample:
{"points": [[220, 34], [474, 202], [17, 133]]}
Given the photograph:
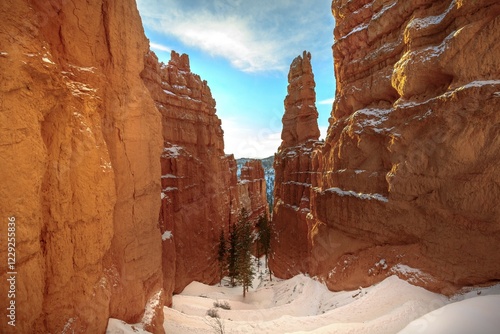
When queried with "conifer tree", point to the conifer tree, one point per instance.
{"points": [[245, 273], [221, 254], [264, 238], [231, 253]]}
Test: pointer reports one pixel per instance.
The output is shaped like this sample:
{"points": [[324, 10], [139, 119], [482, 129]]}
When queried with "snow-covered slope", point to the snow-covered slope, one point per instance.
{"points": [[304, 305]]}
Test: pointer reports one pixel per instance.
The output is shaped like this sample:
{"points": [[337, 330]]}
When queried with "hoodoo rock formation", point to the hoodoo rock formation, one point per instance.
{"points": [[295, 165], [408, 178], [112, 168]]}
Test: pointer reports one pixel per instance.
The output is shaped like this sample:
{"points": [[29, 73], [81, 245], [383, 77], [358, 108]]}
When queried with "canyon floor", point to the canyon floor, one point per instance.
{"points": [[304, 305]]}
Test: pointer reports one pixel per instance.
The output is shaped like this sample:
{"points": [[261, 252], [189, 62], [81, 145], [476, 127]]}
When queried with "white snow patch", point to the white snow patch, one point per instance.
{"points": [[383, 10], [372, 118], [47, 60], [90, 69], [412, 275], [477, 83], [151, 307], [475, 315], [169, 176], [363, 196], [168, 189], [116, 326], [2, 53], [162, 195], [422, 23], [166, 235], [172, 152]]}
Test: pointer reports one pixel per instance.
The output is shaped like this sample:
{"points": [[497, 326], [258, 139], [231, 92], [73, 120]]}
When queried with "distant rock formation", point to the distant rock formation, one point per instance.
{"points": [[295, 165], [252, 190], [408, 178]]}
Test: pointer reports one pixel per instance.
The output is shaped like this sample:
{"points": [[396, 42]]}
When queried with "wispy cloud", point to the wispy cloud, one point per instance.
{"points": [[159, 47], [258, 35], [326, 101]]}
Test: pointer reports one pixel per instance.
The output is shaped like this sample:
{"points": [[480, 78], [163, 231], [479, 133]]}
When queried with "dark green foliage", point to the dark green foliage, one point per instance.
{"points": [[231, 254], [264, 238], [245, 272], [221, 254]]}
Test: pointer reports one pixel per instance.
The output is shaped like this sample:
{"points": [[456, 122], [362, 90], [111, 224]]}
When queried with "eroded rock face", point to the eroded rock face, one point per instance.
{"points": [[409, 174], [252, 190], [81, 140], [294, 165], [199, 187], [300, 122]]}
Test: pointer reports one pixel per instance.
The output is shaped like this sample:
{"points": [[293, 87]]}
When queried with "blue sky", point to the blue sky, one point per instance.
{"points": [[244, 50]]}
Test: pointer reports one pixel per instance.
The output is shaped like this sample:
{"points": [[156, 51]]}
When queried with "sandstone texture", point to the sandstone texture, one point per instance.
{"points": [[80, 168], [408, 178], [295, 165], [199, 184], [252, 191], [300, 122]]}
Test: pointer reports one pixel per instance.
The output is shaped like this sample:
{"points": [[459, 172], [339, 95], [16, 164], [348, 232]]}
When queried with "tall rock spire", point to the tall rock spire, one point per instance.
{"points": [[300, 121]]}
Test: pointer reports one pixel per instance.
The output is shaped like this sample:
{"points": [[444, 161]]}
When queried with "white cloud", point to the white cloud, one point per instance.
{"points": [[159, 47], [326, 101], [258, 35], [249, 141]]}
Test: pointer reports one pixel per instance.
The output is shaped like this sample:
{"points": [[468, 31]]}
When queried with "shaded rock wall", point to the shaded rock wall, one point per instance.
{"points": [[408, 175]]}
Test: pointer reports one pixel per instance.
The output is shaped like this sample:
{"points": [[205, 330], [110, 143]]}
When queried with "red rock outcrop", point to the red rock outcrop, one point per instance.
{"points": [[294, 165], [300, 121], [252, 190], [198, 180], [409, 173]]}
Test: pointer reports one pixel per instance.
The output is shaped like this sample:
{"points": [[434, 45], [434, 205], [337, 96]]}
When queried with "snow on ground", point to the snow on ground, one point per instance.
{"points": [[304, 305]]}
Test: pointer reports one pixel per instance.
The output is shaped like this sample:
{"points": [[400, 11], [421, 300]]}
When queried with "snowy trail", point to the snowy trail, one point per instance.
{"points": [[304, 305]]}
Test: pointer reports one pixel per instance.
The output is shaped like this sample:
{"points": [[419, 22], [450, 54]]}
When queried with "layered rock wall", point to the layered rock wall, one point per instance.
{"points": [[199, 183], [252, 190], [295, 165], [408, 176]]}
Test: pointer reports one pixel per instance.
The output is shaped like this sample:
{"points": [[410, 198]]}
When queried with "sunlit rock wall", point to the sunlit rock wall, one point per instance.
{"points": [[409, 173], [80, 146]]}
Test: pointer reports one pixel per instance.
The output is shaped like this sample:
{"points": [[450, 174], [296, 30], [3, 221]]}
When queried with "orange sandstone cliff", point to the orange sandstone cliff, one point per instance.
{"points": [[408, 178], [198, 180], [81, 140], [295, 165], [112, 166]]}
